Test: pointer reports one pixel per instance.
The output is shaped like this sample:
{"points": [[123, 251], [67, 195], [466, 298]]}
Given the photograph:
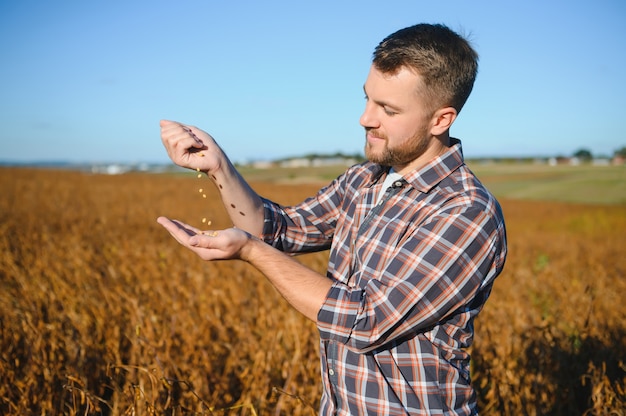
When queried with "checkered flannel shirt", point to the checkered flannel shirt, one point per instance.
{"points": [[409, 275]]}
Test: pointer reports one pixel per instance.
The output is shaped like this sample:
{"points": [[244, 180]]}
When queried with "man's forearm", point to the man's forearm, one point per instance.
{"points": [[244, 206]]}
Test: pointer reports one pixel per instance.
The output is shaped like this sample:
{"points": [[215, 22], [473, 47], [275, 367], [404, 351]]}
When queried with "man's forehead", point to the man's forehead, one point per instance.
{"points": [[403, 80]]}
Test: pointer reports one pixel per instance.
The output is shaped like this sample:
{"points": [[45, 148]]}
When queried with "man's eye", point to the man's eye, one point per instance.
{"points": [[389, 112]]}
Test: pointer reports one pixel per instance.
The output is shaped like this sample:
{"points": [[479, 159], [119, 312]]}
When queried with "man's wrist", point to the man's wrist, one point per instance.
{"points": [[251, 245]]}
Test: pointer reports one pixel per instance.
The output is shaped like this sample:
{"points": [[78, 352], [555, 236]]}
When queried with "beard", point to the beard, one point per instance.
{"points": [[400, 155]]}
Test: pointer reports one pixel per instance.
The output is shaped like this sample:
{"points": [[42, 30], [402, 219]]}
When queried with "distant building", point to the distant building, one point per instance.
{"points": [[601, 161], [112, 169]]}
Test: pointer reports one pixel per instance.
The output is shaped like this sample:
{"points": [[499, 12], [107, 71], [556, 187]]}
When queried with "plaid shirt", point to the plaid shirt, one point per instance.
{"points": [[410, 274]]}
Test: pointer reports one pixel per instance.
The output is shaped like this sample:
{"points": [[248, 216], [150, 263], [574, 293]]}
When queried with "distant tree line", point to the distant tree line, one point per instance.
{"points": [[586, 155], [583, 154], [338, 155]]}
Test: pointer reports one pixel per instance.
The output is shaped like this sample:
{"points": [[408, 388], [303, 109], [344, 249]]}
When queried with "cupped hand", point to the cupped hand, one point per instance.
{"points": [[208, 245], [190, 147]]}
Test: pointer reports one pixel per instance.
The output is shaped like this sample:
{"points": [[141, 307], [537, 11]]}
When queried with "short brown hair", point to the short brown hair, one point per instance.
{"points": [[446, 62]]}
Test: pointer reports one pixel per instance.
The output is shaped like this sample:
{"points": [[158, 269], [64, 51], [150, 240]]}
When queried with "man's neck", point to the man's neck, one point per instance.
{"points": [[438, 147]]}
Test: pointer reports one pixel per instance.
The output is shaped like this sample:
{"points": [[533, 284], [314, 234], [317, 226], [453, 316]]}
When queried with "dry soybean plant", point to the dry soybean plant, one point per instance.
{"points": [[101, 312]]}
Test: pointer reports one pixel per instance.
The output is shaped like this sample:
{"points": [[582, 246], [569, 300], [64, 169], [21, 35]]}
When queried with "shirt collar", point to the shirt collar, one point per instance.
{"points": [[435, 171]]}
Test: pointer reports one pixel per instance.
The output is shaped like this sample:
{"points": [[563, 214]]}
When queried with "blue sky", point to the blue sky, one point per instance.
{"points": [[88, 81]]}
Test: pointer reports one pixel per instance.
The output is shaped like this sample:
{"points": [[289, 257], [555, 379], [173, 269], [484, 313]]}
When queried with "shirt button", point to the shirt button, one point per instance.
{"points": [[331, 372]]}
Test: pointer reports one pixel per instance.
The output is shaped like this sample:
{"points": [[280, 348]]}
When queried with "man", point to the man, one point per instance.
{"points": [[415, 239]]}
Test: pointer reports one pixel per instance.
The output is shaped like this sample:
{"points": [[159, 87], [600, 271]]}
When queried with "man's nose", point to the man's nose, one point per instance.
{"points": [[368, 118]]}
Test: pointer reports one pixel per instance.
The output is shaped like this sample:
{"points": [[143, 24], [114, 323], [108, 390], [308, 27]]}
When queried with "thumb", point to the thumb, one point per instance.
{"points": [[163, 123]]}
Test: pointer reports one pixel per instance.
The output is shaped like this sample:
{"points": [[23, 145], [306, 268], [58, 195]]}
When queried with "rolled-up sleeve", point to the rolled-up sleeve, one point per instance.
{"points": [[297, 229], [308, 226]]}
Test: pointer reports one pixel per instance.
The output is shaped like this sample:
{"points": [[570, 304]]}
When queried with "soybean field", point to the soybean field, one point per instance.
{"points": [[103, 313]]}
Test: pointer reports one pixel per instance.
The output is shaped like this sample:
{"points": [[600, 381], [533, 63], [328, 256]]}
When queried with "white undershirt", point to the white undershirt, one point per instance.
{"points": [[392, 176]]}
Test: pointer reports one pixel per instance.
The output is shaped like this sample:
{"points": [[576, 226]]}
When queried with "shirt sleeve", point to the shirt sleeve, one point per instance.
{"points": [[440, 272], [306, 227]]}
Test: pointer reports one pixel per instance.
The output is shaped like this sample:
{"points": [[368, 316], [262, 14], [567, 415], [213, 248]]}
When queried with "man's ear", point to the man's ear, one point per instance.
{"points": [[442, 120]]}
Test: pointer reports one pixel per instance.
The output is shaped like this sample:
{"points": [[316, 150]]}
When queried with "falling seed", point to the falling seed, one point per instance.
{"points": [[201, 154], [209, 222], [200, 190], [197, 169], [203, 195], [199, 175], [203, 220]]}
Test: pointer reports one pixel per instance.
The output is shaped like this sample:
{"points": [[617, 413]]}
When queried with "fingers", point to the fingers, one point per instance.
{"points": [[204, 239], [187, 234], [178, 135], [180, 231], [204, 244], [190, 147], [192, 132]]}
